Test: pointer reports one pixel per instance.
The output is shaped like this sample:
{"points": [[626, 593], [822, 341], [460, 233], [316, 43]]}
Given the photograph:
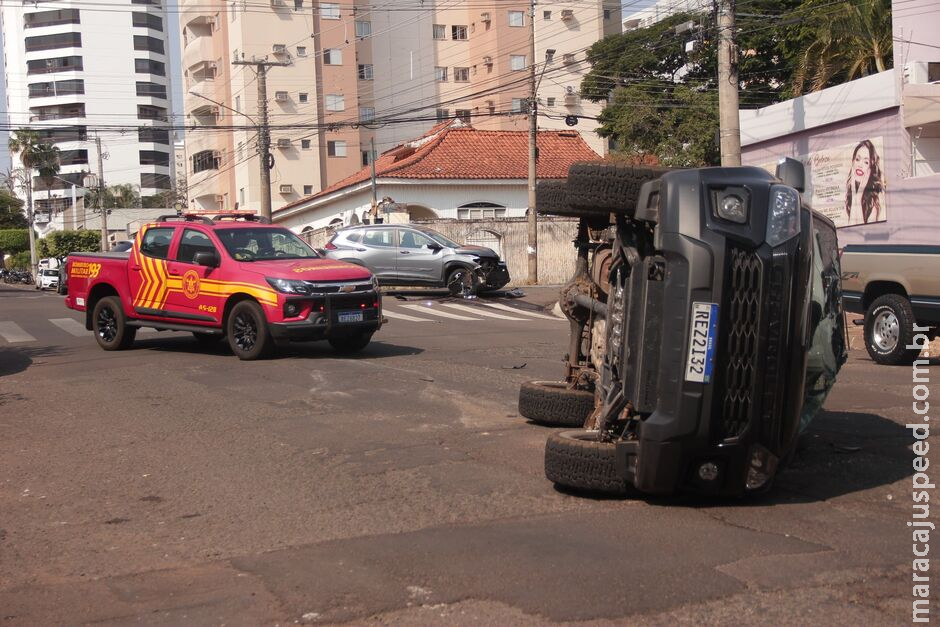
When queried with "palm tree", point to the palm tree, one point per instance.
{"points": [[849, 42], [39, 156]]}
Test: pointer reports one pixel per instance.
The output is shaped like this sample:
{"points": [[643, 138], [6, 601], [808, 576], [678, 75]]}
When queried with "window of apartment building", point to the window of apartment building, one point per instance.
{"points": [[298, 5], [518, 105], [463, 114], [329, 11], [73, 157], [333, 56], [363, 29], [146, 66], [550, 102], [305, 144], [516, 62], [517, 18], [153, 90], [440, 74], [366, 114], [154, 157], [52, 42], [49, 66], [147, 20], [63, 134], [205, 160], [51, 18], [303, 97], [367, 157], [458, 32], [461, 74], [57, 112], [365, 71], [308, 190], [301, 51], [440, 31], [153, 135], [155, 3], [240, 150], [336, 148], [606, 14], [238, 103], [155, 181], [442, 114], [241, 197], [145, 112], [56, 88], [546, 15], [335, 102], [145, 42]]}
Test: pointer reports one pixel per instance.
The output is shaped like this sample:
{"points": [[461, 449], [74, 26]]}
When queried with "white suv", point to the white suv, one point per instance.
{"points": [[47, 279]]}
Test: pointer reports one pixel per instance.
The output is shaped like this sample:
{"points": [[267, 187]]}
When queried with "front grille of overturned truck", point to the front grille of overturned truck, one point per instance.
{"points": [[742, 341]]}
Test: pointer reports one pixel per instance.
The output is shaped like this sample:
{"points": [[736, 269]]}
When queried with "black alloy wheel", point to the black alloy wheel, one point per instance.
{"points": [[247, 331]]}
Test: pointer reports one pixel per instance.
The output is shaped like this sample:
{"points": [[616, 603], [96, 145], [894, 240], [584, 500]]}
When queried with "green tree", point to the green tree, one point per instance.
{"points": [[122, 196], [39, 156], [58, 244], [13, 241], [11, 211], [840, 43]]}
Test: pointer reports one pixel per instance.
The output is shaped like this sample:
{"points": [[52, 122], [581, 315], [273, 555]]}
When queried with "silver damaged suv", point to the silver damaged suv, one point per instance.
{"points": [[404, 254]]}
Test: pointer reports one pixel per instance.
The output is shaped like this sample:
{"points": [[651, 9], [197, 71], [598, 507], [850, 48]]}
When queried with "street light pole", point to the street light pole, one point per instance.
{"points": [[532, 218]]}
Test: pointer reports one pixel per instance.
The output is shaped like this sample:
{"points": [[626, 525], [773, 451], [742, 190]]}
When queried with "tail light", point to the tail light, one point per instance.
{"points": [[330, 246]]}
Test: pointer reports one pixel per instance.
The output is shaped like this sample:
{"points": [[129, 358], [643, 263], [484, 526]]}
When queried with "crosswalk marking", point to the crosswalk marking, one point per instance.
{"points": [[436, 312], [13, 333], [477, 311], [70, 325], [521, 311], [405, 317]]}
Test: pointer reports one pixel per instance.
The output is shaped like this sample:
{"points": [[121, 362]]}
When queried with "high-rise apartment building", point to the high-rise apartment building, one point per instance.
{"points": [[644, 13], [364, 77], [76, 71]]}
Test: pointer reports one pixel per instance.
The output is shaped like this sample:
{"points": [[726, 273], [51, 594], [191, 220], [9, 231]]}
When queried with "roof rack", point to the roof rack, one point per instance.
{"points": [[211, 217], [248, 216], [185, 217]]}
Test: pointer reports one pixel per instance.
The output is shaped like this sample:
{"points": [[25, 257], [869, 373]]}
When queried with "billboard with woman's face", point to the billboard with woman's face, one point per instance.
{"points": [[847, 183]]}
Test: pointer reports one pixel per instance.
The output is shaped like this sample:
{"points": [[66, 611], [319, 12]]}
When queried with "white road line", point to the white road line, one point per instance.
{"points": [[405, 317], [70, 325], [479, 312], [522, 312], [14, 334], [436, 312]]}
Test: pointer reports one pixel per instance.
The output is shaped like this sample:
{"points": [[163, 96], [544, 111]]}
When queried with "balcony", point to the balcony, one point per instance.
{"points": [[198, 49]]}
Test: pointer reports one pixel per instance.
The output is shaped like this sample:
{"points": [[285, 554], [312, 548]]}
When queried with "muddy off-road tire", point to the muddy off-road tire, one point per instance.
{"points": [[551, 198], [552, 403], [602, 188], [576, 460]]}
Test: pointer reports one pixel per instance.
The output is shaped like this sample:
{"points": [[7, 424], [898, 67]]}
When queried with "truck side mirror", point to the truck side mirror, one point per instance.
{"points": [[792, 173], [208, 258]]}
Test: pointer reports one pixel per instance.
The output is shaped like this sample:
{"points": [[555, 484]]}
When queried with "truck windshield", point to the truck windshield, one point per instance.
{"points": [[255, 244]]}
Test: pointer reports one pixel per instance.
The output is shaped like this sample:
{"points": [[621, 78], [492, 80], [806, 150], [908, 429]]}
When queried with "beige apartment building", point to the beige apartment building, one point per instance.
{"points": [[361, 76]]}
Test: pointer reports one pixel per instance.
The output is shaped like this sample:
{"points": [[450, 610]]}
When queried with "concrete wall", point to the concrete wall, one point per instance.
{"points": [[556, 251]]}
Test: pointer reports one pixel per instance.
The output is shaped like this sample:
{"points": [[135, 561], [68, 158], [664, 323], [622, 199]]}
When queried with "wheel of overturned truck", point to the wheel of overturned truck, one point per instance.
{"points": [[554, 403], [889, 330], [578, 461], [604, 187]]}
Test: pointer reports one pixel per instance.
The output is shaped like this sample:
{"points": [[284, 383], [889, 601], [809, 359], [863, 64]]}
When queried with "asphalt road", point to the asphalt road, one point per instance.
{"points": [[171, 484]]}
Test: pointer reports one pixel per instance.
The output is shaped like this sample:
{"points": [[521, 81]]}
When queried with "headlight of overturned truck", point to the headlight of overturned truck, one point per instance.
{"points": [[783, 215]]}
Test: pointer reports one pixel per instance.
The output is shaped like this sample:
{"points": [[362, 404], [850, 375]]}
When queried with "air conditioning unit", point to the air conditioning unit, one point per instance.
{"points": [[566, 14], [280, 96], [568, 58], [572, 98], [279, 49], [284, 142], [286, 189], [219, 198], [487, 60], [277, 3], [484, 17]]}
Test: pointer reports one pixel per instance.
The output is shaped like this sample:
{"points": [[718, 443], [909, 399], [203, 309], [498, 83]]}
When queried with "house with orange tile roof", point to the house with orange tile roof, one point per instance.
{"points": [[452, 171]]}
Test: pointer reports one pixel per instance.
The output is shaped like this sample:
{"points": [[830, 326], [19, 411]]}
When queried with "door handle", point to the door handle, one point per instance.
{"points": [[361, 250], [404, 252]]}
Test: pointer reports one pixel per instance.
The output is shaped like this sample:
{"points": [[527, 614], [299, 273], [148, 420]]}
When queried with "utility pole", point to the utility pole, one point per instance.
{"points": [[264, 131], [728, 118], [105, 239], [375, 195], [533, 225]]}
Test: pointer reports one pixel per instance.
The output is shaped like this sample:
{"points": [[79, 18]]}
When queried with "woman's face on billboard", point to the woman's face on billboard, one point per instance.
{"points": [[861, 165]]}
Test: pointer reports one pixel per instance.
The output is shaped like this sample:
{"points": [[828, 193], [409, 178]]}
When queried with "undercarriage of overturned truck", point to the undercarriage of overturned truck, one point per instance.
{"points": [[705, 328]]}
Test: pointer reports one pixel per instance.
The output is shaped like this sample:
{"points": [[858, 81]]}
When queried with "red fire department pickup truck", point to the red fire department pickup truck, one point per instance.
{"points": [[235, 275]]}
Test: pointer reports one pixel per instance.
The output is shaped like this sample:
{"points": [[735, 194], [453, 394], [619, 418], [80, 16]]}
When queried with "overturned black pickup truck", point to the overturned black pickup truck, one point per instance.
{"points": [[706, 328]]}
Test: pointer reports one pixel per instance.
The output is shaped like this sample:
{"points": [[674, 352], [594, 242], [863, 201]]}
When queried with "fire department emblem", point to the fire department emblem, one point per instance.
{"points": [[191, 284]]}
